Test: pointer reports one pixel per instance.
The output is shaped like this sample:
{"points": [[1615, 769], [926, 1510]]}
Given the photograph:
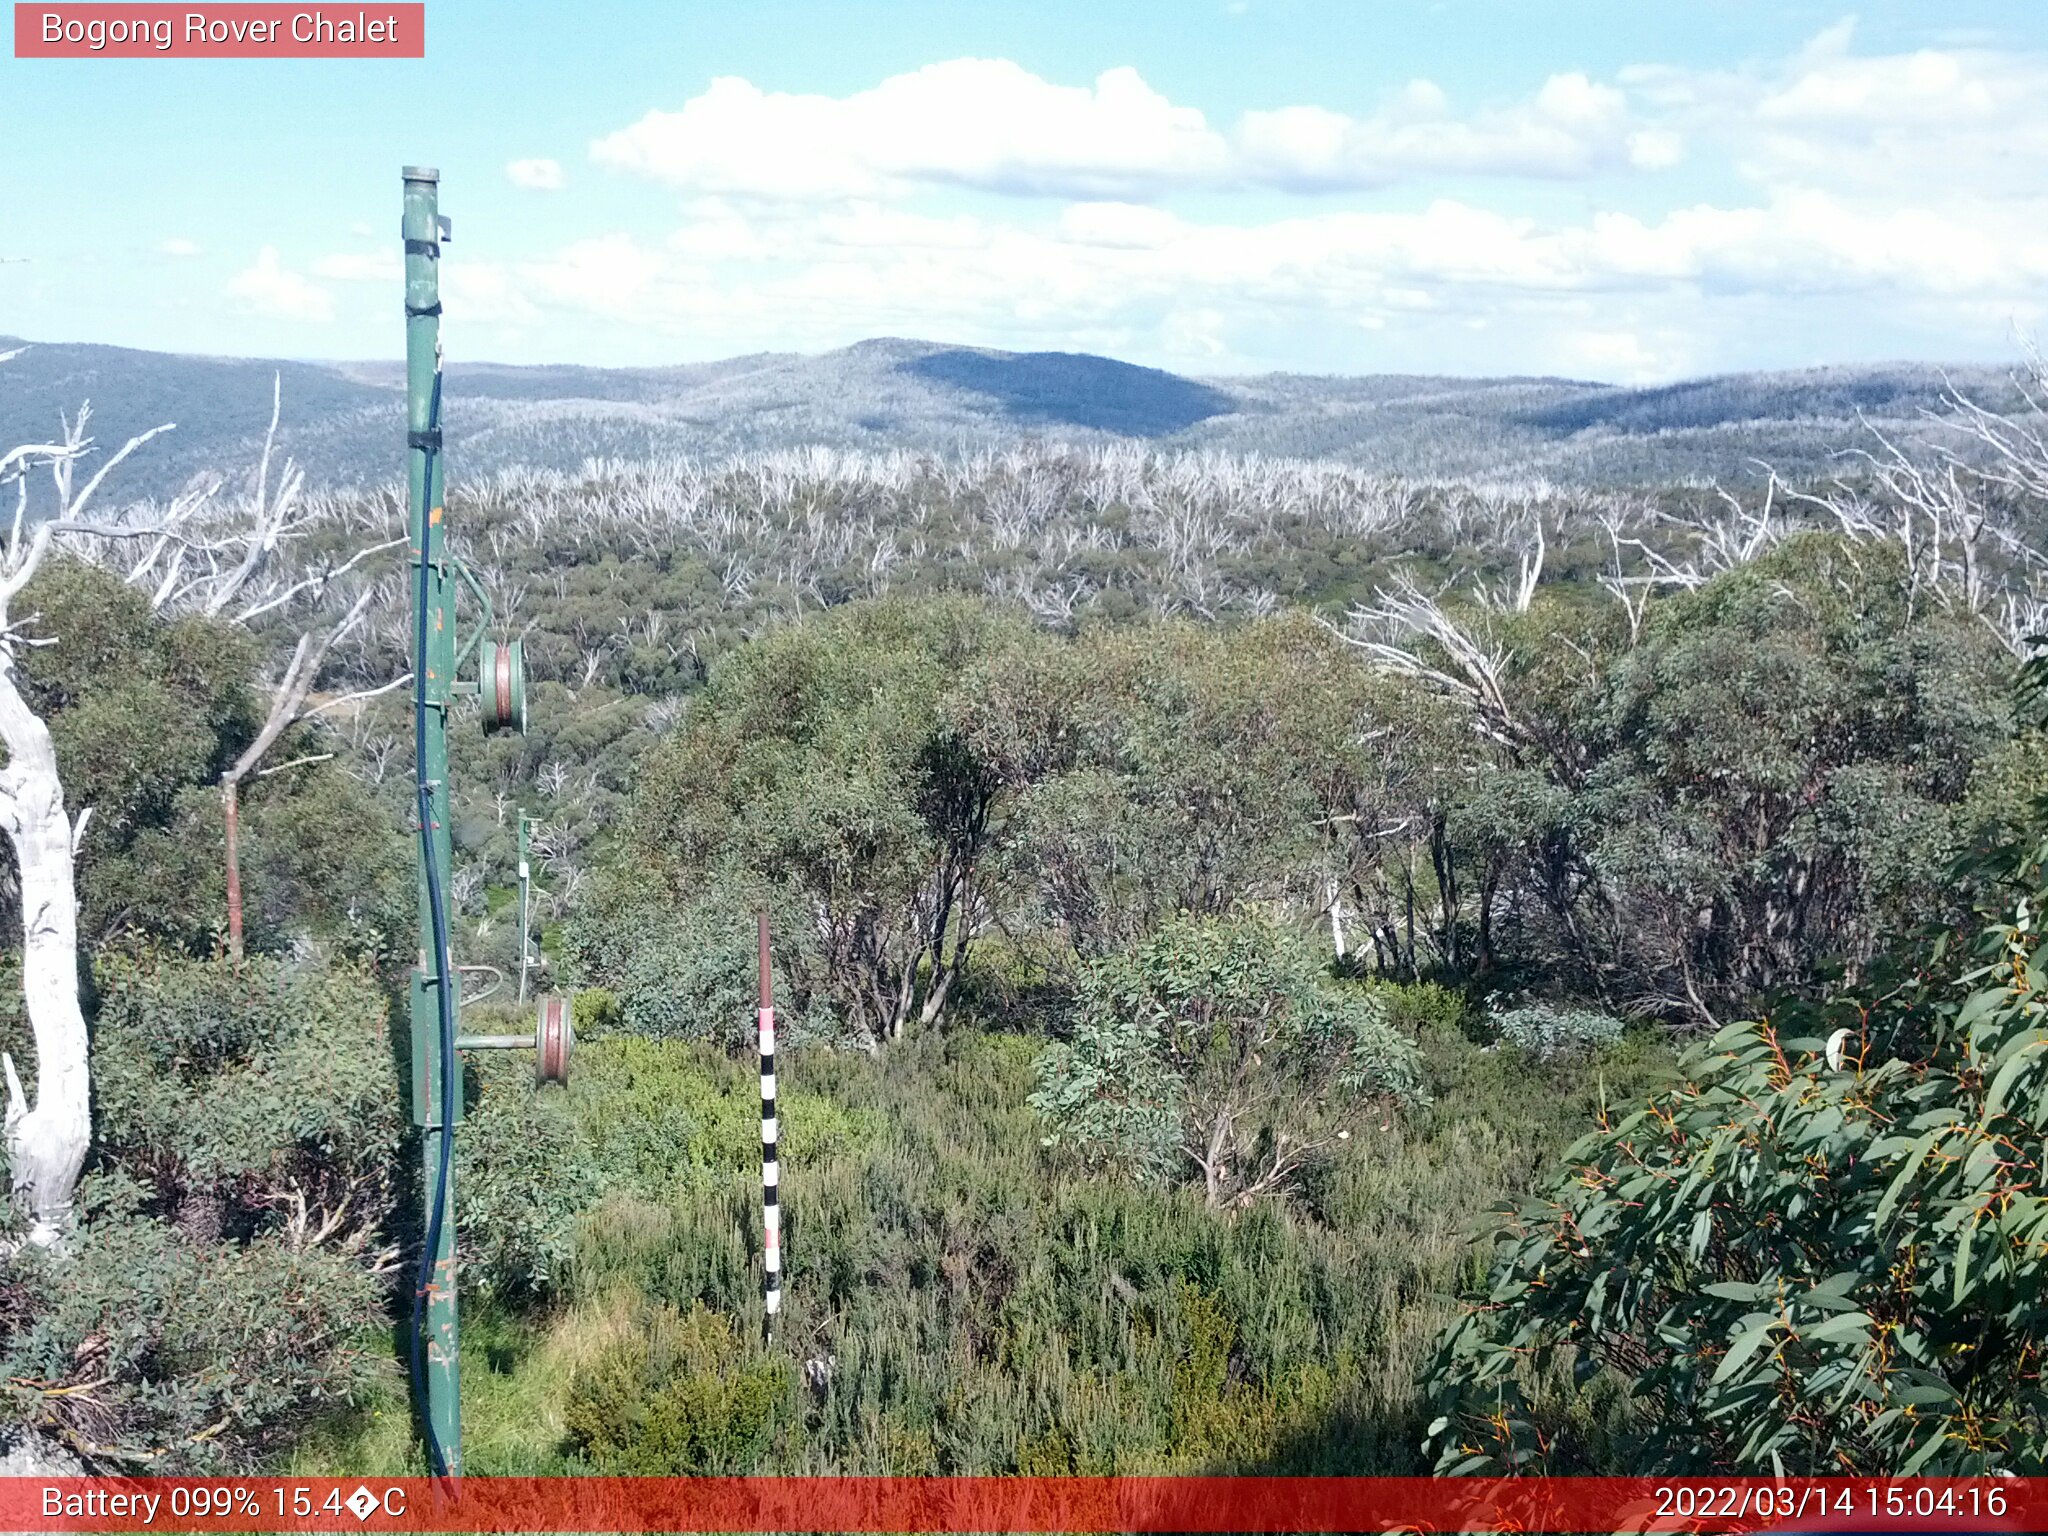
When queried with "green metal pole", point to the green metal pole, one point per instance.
{"points": [[525, 917], [422, 231]]}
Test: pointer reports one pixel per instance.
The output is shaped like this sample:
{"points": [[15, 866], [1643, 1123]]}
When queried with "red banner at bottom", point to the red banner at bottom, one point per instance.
{"points": [[995, 1504]]}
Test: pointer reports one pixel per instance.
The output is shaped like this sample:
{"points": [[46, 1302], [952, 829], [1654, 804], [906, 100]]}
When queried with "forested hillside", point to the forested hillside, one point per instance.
{"points": [[890, 395], [1284, 968]]}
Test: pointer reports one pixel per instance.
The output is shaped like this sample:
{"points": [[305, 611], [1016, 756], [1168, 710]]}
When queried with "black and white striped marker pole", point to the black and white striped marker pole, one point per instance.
{"points": [[771, 1209]]}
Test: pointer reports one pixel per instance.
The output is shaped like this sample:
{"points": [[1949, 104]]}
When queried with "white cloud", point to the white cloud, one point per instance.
{"points": [[483, 293], [1622, 356], [269, 288], [535, 175], [1571, 127], [1124, 226], [985, 123], [1921, 125], [179, 246], [1611, 294], [1928, 127], [871, 224], [361, 266], [990, 124], [1655, 149], [1823, 194]]}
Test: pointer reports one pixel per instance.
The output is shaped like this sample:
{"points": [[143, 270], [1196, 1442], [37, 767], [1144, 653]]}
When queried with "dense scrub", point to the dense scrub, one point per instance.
{"points": [[229, 1276], [1752, 791], [224, 1286], [146, 714], [963, 1298], [1201, 889]]}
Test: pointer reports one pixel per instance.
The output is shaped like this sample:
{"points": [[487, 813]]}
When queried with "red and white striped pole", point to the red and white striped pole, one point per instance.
{"points": [[771, 1209]]}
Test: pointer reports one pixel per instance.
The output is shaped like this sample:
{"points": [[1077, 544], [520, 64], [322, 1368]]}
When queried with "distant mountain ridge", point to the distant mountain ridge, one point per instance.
{"points": [[343, 420]]}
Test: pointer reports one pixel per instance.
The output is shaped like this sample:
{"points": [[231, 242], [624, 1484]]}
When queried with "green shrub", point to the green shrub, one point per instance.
{"points": [[643, 1123], [1421, 1008], [525, 1170], [142, 1348], [1821, 1250], [956, 1302], [688, 973], [219, 1291], [1549, 1032], [1216, 1046], [668, 1394], [596, 1011], [245, 1095]]}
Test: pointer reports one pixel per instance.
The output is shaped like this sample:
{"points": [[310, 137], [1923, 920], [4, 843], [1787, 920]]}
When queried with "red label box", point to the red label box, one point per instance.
{"points": [[262, 30]]}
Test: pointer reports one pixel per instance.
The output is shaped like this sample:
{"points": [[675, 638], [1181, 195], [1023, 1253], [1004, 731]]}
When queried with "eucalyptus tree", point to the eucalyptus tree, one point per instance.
{"points": [[819, 774], [1171, 767], [1820, 1250]]}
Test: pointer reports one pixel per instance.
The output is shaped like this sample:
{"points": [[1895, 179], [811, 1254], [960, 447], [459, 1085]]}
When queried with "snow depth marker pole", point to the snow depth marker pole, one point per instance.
{"points": [[771, 1174]]}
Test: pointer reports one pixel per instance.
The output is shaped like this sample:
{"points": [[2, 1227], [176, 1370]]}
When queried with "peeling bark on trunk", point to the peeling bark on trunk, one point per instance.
{"points": [[46, 1142]]}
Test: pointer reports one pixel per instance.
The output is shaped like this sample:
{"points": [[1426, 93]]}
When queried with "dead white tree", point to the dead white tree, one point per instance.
{"points": [[1517, 598], [1962, 512], [1401, 627], [47, 1139]]}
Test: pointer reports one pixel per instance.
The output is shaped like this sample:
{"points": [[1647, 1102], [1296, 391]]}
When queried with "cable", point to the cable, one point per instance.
{"points": [[437, 1454]]}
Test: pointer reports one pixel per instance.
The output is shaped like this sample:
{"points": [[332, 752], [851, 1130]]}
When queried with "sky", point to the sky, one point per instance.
{"points": [[1601, 189]]}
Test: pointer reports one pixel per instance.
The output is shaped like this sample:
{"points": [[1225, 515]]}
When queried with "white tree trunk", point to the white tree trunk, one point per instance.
{"points": [[46, 1143]]}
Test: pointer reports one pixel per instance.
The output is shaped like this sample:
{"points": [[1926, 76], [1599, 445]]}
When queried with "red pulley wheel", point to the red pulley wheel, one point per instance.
{"points": [[554, 1037], [502, 683]]}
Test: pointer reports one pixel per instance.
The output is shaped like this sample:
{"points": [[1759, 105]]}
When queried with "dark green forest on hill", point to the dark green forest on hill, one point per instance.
{"points": [[1281, 971]]}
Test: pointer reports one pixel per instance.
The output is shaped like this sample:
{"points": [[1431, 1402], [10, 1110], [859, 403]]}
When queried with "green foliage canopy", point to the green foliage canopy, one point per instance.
{"points": [[145, 714], [1173, 767], [1215, 1048], [1790, 1267], [818, 776]]}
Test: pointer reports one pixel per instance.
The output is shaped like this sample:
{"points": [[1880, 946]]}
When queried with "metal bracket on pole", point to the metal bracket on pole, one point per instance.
{"points": [[552, 1042]]}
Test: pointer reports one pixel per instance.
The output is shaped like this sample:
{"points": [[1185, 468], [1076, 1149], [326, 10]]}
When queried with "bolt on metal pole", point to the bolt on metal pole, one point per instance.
{"points": [[422, 232]]}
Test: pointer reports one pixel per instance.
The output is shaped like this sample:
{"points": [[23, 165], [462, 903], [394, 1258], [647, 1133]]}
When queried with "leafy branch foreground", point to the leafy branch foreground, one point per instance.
{"points": [[1793, 1265]]}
